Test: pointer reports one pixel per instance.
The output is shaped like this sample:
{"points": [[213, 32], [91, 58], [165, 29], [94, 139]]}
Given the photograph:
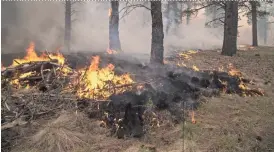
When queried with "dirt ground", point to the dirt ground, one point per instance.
{"points": [[228, 123]]}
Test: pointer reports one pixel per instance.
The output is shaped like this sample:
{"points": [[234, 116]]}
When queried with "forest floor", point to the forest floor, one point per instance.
{"points": [[228, 123]]}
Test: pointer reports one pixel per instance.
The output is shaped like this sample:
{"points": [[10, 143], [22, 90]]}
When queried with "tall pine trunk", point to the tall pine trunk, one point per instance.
{"points": [[188, 14], [167, 16], [114, 40], [230, 28], [265, 30], [157, 41], [254, 23], [265, 27], [67, 38]]}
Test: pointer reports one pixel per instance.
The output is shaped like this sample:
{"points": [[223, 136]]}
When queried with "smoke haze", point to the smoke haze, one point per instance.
{"points": [[43, 23]]}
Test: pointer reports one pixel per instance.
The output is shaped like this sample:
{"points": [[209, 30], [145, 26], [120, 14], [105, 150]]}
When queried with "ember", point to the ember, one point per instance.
{"points": [[195, 68], [109, 51], [193, 117], [233, 71], [187, 55]]}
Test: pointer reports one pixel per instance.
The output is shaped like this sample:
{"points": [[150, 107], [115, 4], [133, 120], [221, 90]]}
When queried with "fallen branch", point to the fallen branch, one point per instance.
{"points": [[17, 122]]}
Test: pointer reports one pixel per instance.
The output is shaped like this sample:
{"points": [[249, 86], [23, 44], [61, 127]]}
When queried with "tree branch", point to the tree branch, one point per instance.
{"points": [[130, 7], [135, 5]]}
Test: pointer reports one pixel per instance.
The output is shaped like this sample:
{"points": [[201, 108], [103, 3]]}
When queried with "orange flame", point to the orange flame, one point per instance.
{"points": [[193, 117], [31, 56], [233, 71], [109, 12], [109, 51]]}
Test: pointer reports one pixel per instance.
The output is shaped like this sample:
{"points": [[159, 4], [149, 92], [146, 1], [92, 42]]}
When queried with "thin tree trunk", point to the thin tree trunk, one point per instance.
{"points": [[265, 27], [188, 14], [157, 41], [230, 28], [265, 30], [167, 16], [114, 40], [254, 23], [214, 16], [67, 38]]}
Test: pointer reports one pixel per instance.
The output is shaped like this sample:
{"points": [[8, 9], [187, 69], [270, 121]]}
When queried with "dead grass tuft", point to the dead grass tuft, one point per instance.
{"points": [[62, 135]]}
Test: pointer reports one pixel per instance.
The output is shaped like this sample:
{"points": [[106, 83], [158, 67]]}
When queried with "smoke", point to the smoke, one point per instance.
{"points": [[43, 22]]}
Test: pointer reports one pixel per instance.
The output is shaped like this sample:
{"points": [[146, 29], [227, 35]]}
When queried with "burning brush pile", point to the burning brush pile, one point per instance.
{"points": [[125, 102]]}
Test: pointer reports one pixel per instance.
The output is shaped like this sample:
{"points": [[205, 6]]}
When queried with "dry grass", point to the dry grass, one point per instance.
{"points": [[234, 124], [66, 133], [231, 123]]}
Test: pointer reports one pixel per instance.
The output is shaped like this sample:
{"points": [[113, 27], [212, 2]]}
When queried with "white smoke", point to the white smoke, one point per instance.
{"points": [[43, 22]]}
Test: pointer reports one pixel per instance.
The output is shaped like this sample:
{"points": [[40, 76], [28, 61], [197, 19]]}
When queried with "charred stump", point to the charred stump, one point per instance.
{"points": [[230, 28], [157, 46], [114, 40]]}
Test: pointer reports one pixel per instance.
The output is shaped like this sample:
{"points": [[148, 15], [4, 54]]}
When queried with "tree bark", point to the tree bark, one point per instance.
{"points": [[254, 23], [230, 28], [114, 40], [157, 41], [188, 14], [67, 38]]}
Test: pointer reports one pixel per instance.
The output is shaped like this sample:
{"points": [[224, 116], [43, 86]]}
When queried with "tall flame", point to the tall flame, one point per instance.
{"points": [[99, 83], [109, 12]]}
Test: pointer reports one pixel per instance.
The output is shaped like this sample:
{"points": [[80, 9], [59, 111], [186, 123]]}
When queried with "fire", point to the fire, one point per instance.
{"points": [[193, 117], [181, 64], [140, 87], [100, 83], [195, 68], [16, 82], [233, 71], [224, 83], [109, 12], [2, 67], [243, 86], [109, 51], [32, 56], [221, 68], [186, 55]]}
